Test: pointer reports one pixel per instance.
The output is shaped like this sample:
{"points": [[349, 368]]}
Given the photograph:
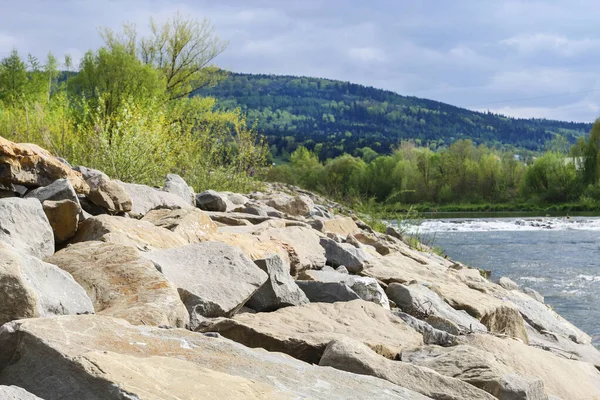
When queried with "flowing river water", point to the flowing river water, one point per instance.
{"points": [[557, 256]]}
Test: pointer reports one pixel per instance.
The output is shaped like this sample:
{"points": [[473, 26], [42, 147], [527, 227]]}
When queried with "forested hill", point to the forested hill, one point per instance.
{"points": [[344, 117]]}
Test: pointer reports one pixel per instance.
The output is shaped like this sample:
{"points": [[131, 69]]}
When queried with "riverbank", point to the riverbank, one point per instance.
{"points": [[124, 290]]}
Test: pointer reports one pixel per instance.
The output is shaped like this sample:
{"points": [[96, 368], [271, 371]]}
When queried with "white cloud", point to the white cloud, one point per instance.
{"points": [[367, 54], [559, 44]]}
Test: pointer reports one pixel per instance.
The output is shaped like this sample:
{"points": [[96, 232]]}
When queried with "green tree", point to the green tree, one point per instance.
{"points": [[13, 78], [182, 49]]}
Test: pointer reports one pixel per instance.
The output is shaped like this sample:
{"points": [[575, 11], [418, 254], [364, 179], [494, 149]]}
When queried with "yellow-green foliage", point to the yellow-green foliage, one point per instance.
{"points": [[120, 114]]}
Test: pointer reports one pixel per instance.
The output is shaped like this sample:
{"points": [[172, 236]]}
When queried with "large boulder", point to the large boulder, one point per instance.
{"points": [[419, 301], [213, 278], [190, 223], [279, 291], [103, 358], [209, 200], [557, 373], [304, 331], [353, 356], [302, 244], [108, 194], [140, 234], [506, 320], [16, 393], [176, 185], [145, 199], [327, 292], [32, 288], [332, 286], [405, 266], [63, 217], [353, 258], [122, 284], [343, 226], [29, 165], [543, 318], [25, 226], [61, 189], [292, 205], [254, 246], [478, 368]]}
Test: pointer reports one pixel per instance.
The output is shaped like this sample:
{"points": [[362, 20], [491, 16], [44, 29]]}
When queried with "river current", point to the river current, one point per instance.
{"points": [[558, 257]]}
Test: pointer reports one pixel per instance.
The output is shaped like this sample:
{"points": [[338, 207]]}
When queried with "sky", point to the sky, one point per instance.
{"points": [[519, 58]]}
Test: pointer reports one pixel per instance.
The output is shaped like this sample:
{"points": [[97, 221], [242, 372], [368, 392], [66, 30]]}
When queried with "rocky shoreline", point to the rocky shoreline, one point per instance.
{"points": [[114, 290]]}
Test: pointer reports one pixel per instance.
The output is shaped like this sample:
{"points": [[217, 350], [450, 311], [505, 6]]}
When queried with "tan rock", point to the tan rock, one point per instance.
{"points": [[342, 226], [142, 235], [304, 331], [478, 368], [122, 284], [506, 320], [96, 357], [29, 165], [108, 194], [63, 216], [292, 205], [254, 246], [402, 269], [303, 246], [190, 223], [567, 379], [353, 356]]}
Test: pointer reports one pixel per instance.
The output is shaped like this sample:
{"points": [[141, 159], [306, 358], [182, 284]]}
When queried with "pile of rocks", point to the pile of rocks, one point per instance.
{"points": [[113, 290]]}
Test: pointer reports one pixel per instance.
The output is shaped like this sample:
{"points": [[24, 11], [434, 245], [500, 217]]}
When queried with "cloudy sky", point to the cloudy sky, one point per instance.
{"points": [[520, 58]]}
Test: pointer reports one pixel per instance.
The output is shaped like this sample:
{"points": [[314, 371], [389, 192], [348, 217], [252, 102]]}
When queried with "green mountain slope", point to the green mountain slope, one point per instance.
{"points": [[333, 117]]}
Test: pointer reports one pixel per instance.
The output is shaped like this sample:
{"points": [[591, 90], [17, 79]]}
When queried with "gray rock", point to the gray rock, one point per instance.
{"points": [[88, 173], [355, 357], [176, 185], [20, 190], [342, 269], [32, 288], [430, 334], [543, 318], [209, 200], [517, 387], [337, 254], [236, 219], [214, 279], [144, 199], [93, 357], [7, 190], [327, 292], [16, 393], [508, 283], [279, 291], [61, 189], [421, 302], [534, 294], [24, 226], [369, 290]]}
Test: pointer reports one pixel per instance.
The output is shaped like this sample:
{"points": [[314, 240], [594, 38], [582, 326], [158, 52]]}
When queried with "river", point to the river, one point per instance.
{"points": [[557, 256]]}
